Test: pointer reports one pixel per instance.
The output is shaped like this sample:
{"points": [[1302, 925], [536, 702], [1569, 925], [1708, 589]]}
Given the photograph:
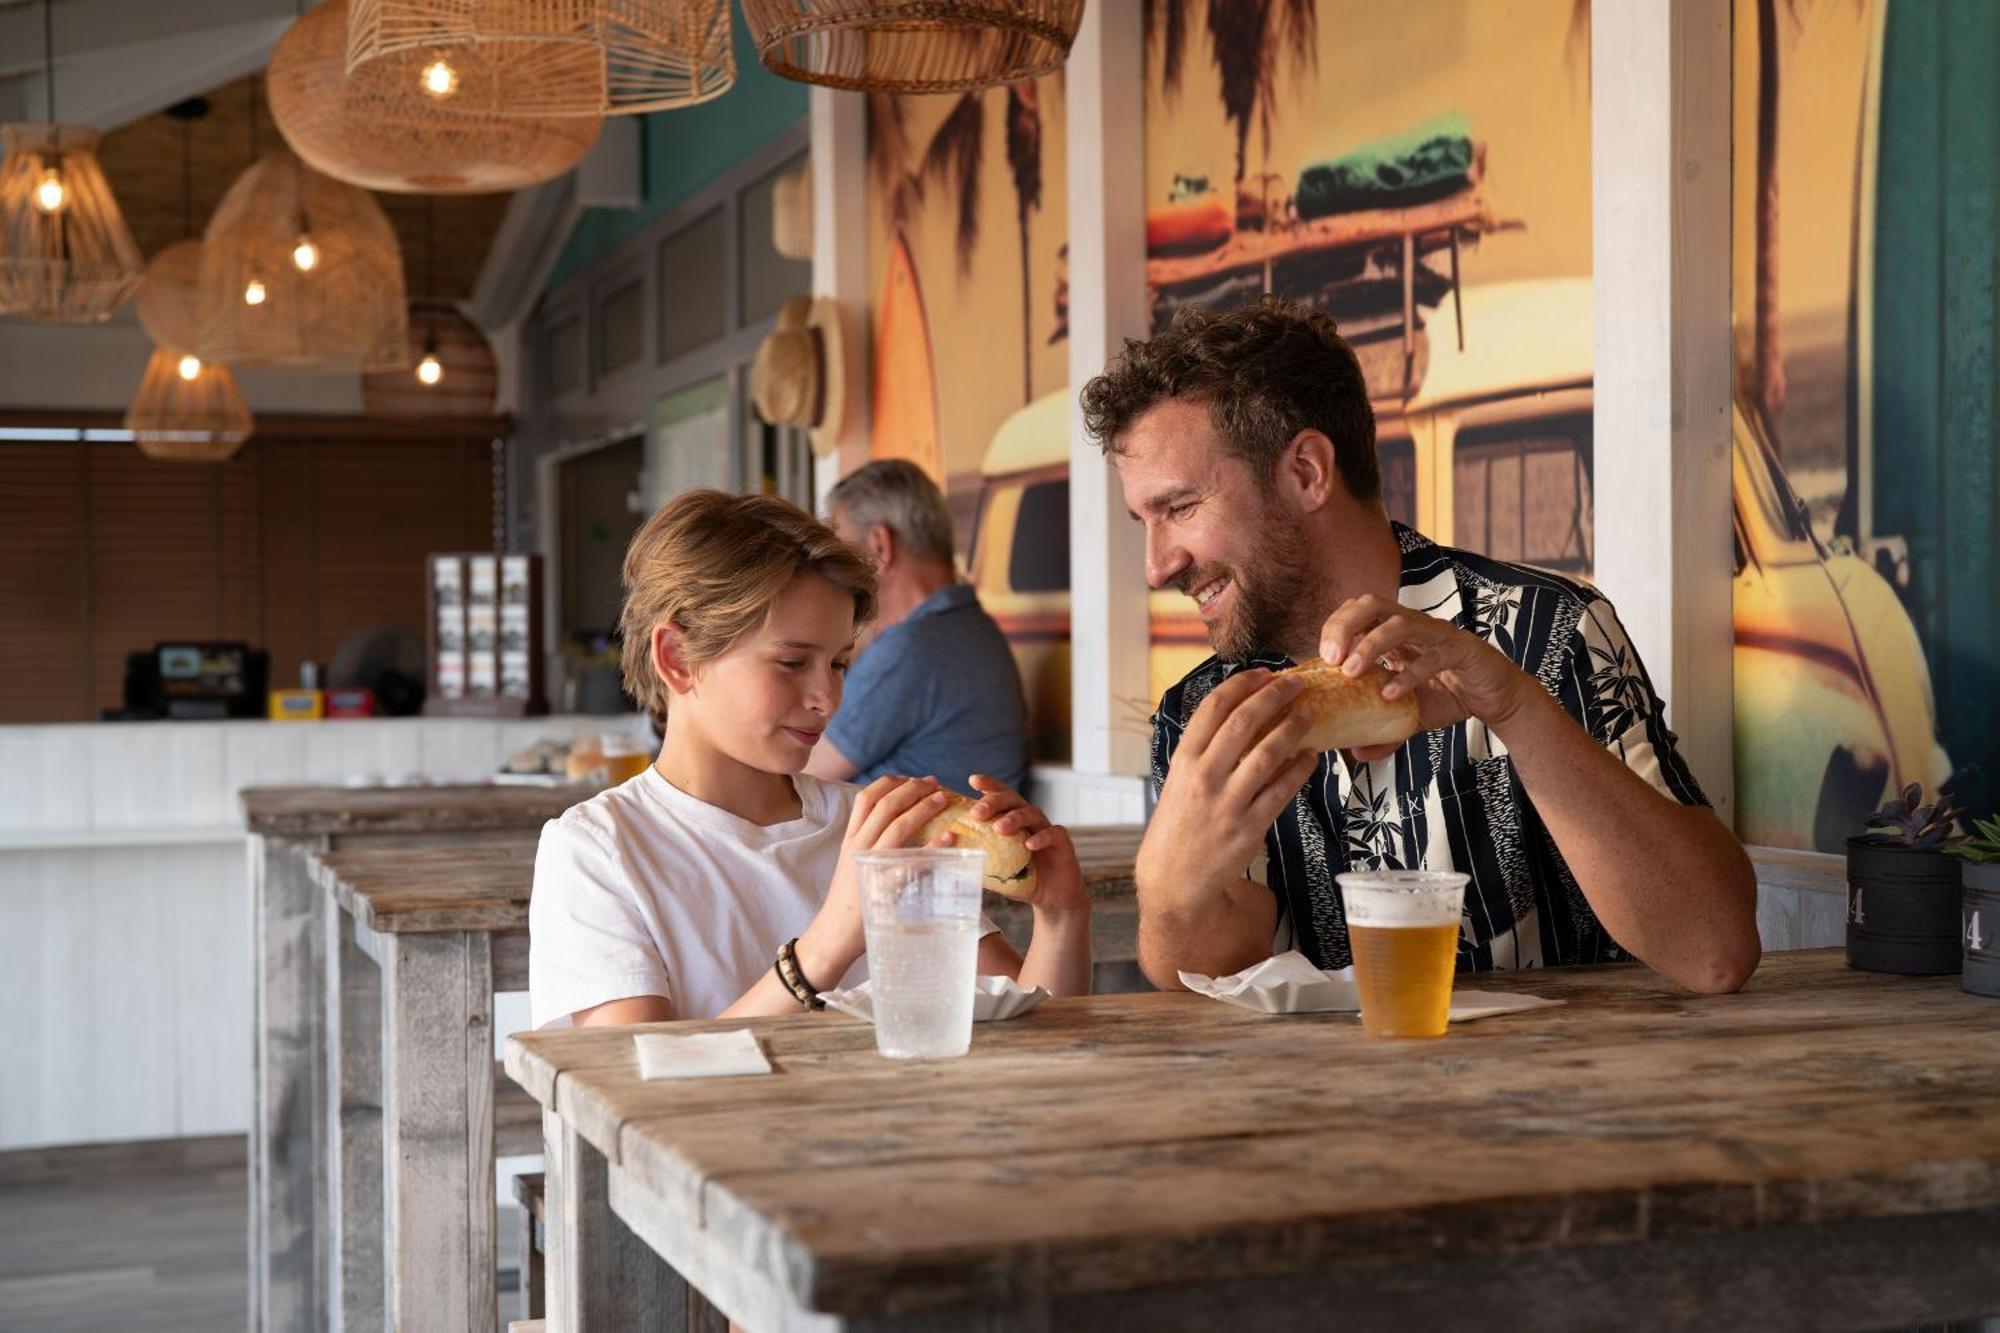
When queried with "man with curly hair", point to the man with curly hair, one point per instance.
{"points": [[1544, 769]]}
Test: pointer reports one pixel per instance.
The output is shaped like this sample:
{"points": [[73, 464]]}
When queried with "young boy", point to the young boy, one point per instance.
{"points": [[671, 895]]}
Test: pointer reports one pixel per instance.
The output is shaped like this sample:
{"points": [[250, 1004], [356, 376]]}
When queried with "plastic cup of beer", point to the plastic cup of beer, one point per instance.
{"points": [[624, 758], [1402, 927], [920, 918]]}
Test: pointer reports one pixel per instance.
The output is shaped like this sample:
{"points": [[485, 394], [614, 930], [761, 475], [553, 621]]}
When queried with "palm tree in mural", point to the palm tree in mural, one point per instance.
{"points": [[1767, 368], [1767, 373], [1024, 160], [951, 161], [1247, 39]]}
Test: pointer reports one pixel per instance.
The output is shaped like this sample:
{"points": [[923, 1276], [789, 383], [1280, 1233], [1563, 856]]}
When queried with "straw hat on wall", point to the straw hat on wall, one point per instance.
{"points": [[799, 375]]}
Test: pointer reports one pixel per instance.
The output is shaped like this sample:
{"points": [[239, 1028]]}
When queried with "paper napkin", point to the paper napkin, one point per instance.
{"points": [[703, 1055]]}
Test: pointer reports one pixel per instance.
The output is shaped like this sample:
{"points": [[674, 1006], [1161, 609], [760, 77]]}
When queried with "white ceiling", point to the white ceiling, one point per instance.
{"points": [[118, 60]]}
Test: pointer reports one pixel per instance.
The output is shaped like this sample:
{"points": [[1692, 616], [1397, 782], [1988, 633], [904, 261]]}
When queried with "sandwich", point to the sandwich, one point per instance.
{"points": [[1010, 866], [1349, 712]]}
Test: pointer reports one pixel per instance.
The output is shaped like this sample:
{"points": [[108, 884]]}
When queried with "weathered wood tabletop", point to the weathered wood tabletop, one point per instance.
{"points": [[485, 884], [297, 812], [1824, 1147]]}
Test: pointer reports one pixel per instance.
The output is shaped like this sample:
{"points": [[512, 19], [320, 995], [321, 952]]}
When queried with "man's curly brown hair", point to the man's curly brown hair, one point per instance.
{"points": [[1266, 371]]}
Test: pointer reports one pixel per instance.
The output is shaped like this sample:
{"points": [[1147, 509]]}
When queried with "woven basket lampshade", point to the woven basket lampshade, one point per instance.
{"points": [[576, 57], [260, 308], [187, 411], [168, 301], [468, 375], [912, 46], [379, 129], [66, 255]]}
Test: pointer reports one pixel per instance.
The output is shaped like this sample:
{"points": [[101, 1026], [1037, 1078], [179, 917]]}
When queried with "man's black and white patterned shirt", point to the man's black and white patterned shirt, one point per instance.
{"points": [[1449, 799]]}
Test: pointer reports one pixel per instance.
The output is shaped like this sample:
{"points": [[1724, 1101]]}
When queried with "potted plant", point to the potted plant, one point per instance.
{"points": [[1903, 889], [1979, 930]]}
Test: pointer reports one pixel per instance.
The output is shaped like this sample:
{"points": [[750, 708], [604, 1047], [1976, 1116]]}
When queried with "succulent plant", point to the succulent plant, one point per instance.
{"points": [[1909, 821], [1984, 844]]}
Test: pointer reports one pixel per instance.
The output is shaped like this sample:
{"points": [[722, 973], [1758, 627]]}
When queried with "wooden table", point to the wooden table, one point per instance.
{"points": [[418, 941], [1822, 1150], [289, 826]]}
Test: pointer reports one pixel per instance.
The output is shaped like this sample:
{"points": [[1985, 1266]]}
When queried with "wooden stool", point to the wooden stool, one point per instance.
{"points": [[534, 1244]]}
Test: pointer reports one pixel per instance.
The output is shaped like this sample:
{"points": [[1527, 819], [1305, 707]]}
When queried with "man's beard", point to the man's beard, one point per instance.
{"points": [[1274, 598]]}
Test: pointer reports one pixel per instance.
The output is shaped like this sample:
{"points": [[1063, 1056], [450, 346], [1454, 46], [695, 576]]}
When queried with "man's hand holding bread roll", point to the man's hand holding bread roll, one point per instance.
{"points": [[1450, 673]]}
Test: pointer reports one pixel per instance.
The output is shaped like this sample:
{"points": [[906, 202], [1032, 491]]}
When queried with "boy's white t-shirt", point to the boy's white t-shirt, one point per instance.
{"points": [[645, 890]]}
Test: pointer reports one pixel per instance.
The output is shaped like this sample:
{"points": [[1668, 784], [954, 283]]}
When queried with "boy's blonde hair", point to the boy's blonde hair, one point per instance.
{"points": [[715, 564]]}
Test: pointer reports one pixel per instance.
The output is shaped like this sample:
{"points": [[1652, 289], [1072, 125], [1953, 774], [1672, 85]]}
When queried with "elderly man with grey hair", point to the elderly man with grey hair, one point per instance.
{"points": [[935, 691]]}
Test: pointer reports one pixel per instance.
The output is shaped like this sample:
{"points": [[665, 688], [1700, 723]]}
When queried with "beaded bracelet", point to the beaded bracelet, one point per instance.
{"points": [[794, 977]]}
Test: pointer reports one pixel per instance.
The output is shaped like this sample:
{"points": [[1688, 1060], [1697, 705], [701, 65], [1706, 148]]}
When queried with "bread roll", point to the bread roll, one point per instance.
{"points": [[1010, 866], [1349, 712]]}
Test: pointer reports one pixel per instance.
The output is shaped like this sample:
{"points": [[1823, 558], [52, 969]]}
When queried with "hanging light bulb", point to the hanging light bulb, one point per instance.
{"points": [[305, 254], [439, 79], [50, 192], [190, 367], [430, 370], [253, 292]]}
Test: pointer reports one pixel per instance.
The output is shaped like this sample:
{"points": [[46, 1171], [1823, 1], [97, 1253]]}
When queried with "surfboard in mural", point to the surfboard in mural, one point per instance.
{"points": [[905, 396]]}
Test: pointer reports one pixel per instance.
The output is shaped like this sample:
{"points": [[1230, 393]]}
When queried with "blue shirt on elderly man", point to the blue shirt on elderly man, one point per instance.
{"points": [[936, 694]]}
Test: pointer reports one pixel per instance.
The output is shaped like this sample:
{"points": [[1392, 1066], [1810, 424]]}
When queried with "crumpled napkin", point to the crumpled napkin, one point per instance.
{"points": [[993, 999], [1285, 984], [702, 1055], [1289, 984]]}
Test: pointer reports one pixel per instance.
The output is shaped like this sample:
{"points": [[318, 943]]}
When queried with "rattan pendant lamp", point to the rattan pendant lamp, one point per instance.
{"points": [[186, 410], [380, 129], [300, 271], [912, 46], [455, 373], [582, 57], [66, 255]]}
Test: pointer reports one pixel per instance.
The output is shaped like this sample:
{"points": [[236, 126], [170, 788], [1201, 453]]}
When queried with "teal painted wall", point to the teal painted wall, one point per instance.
{"points": [[1937, 357], [683, 151]]}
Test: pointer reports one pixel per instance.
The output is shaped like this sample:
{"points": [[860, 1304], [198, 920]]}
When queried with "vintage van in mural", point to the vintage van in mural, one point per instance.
{"points": [[1494, 453]]}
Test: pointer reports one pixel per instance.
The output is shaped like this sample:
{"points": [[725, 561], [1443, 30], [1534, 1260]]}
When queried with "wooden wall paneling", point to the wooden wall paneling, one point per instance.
{"points": [[156, 777], [381, 507], [313, 531], [240, 556], [154, 569], [24, 961], [44, 779], [71, 1002], [285, 520], [133, 964], [211, 936], [42, 609]]}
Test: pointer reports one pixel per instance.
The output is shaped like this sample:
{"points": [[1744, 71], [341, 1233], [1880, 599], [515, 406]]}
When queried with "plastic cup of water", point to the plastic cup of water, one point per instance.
{"points": [[920, 916]]}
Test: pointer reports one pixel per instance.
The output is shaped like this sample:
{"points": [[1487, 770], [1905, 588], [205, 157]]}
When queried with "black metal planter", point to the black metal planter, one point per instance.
{"points": [[1979, 927], [1902, 910]]}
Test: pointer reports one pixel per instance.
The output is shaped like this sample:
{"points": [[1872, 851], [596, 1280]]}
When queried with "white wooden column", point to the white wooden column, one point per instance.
{"points": [[1660, 145], [839, 122], [1107, 304]]}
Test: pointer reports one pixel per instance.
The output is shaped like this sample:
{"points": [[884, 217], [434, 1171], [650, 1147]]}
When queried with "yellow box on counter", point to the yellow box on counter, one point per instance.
{"points": [[298, 705]]}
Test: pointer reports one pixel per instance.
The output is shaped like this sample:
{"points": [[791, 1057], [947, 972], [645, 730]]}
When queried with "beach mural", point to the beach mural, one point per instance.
{"points": [[1422, 174], [970, 354], [1867, 181]]}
